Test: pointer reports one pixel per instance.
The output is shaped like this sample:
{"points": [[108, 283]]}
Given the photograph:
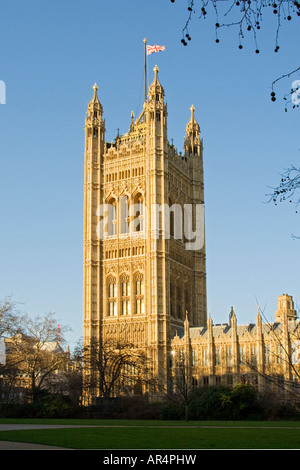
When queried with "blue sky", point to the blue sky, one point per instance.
{"points": [[52, 52]]}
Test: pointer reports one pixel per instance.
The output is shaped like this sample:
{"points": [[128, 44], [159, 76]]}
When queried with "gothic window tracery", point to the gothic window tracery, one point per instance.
{"points": [[139, 295], [124, 211], [138, 222], [112, 217], [112, 297], [125, 295]]}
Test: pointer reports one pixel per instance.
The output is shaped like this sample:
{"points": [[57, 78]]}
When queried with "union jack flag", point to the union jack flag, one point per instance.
{"points": [[151, 49]]}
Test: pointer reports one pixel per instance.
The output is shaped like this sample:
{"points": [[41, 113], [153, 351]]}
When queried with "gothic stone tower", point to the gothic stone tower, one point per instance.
{"points": [[142, 269]]}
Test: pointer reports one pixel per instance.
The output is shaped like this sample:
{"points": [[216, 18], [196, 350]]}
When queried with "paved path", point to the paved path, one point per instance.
{"points": [[8, 445], [24, 427]]}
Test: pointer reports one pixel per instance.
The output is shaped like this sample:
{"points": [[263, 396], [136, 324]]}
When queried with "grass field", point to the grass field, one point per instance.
{"points": [[127, 434]]}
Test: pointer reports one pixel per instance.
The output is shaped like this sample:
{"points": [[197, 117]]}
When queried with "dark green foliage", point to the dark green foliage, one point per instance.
{"points": [[277, 409], [209, 403], [219, 403], [45, 406], [241, 402], [56, 406], [172, 412], [134, 407], [245, 403]]}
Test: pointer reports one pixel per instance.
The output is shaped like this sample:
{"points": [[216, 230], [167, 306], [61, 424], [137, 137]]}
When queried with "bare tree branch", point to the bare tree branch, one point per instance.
{"points": [[289, 188], [247, 17], [112, 368]]}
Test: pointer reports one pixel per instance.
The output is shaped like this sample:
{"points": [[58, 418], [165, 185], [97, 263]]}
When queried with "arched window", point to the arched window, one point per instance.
{"points": [[138, 213], [112, 217], [125, 295], [172, 221], [124, 212], [112, 297], [174, 225], [139, 295]]}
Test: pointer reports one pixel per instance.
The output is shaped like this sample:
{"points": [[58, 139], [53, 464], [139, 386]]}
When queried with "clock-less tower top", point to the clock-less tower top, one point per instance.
{"points": [[139, 276]]}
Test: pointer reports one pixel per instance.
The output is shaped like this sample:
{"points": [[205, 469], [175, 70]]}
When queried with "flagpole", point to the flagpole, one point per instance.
{"points": [[145, 71]]}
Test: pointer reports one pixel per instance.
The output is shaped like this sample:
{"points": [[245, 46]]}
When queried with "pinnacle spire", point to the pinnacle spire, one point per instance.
{"points": [[209, 321], [192, 140], [95, 105], [132, 121], [186, 324], [258, 316], [155, 87], [95, 97], [232, 317], [193, 124], [192, 108]]}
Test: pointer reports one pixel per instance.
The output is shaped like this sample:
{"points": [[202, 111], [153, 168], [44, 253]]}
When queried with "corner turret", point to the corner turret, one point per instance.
{"points": [[192, 143], [156, 91], [285, 308], [95, 109], [94, 124]]}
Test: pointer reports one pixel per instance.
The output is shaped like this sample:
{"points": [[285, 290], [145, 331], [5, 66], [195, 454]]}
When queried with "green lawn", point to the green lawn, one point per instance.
{"points": [[160, 434]]}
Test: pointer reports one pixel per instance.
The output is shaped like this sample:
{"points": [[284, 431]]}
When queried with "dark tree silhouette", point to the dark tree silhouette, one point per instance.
{"points": [[247, 17], [113, 368]]}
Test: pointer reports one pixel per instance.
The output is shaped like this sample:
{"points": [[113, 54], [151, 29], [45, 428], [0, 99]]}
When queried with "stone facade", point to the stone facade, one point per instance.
{"points": [[143, 205], [266, 355], [139, 278]]}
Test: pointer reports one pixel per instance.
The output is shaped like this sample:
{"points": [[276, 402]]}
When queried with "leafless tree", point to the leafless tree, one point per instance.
{"points": [[35, 353], [9, 318], [9, 325], [288, 189], [182, 382], [284, 355], [247, 17], [178, 384], [113, 368]]}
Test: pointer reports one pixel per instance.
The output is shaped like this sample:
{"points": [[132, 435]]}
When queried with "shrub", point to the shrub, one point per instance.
{"points": [[245, 403], [45, 406], [172, 411], [238, 403], [208, 403]]}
